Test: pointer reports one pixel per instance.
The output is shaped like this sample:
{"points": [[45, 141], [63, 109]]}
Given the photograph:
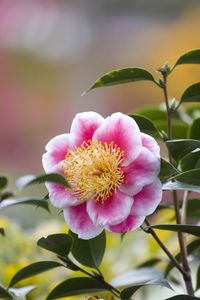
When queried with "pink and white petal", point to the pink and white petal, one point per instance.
{"points": [[141, 172], [151, 144], [85, 124], [124, 132], [146, 201], [132, 222], [56, 150], [114, 210], [60, 196], [79, 222]]}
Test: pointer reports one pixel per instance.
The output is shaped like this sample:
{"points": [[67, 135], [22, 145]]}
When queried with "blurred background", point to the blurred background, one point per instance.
{"points": [[53, 50]]}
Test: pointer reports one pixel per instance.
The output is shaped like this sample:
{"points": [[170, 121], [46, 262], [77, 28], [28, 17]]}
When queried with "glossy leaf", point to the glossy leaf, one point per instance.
{"points": [[191, 57], [191, 94], [89, 252], [120, 76], [189, 177], [191, 160], [32, 179], [3, 182], [172, 186], [191, 229], [127, 293], [22, 292], [149, 263], [167, 170], [193, 208], [2, 231], [31, 201], [182, 297], [76, 286], [59, 243], [145, 125], [191, 247], [180, 148], [34, 269], [198, 279], [194, 130], [4, 294], [136, 276]]}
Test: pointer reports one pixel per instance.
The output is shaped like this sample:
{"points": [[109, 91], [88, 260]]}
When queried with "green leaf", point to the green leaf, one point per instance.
{"points": [[59, 243], [37, 202], [34, 269], [145, 125], [193, 208], [191, 229], [194, 130], [4, 294], [191, 247], [198, 279], [191, 160], [149, 263], [76, 286], [32, 179], [191, 57], [2, 231], [191, 94], [189, 177], [182, 297], [127, 293], [153, 113], [167, 170], [3, 182], [89, 252], [180, 148], [22, 292], [172, 186], [120, 76]]}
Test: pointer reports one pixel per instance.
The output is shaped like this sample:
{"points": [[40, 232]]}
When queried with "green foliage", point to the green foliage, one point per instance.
{"points": [[146, 125], [34, 269], [180, 148], [59, 244], [3, 182], [189, 177], [76, 286], [127, 293], [191, 229], [120, 76], [191, 57], [191, 94], [167, 170], [89, 252], [51, 177], [30, 201], [4, 294], [182, 297], [191, 160], [194, 130]]}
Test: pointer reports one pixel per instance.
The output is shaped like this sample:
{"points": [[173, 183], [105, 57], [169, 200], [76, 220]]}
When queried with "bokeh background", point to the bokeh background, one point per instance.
{"points": [[53, 50]]}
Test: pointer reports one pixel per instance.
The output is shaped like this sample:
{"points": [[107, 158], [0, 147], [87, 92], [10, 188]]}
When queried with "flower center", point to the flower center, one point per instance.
{"points": [[93, 170]]}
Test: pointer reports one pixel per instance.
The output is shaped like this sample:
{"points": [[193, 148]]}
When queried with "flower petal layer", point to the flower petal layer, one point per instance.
{"points": [[146, 201], [142, 171], [80, 222], [124, 132], [60, 196], [56, 150], [113, 211], [131, 223], [85, 124], [151, 144]]}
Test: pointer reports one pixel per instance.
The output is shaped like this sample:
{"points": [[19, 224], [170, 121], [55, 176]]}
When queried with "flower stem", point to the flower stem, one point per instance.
{"points": [[100, 279], [164, 248], [179, 219]]}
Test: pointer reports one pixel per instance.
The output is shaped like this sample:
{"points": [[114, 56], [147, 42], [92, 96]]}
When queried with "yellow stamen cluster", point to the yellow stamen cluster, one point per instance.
{"points": [[93, 170]]}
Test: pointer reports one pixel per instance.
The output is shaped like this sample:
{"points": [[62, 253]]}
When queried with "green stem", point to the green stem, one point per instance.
{"points": [[100, 279], [181, 238], [164, 248]]}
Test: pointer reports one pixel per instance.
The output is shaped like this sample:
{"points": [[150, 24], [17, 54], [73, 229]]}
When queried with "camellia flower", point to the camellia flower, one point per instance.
{"points": [[112, 170]]}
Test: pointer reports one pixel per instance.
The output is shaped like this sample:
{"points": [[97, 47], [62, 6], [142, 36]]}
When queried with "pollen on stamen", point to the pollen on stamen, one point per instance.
{"points": [[93, 170]]}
